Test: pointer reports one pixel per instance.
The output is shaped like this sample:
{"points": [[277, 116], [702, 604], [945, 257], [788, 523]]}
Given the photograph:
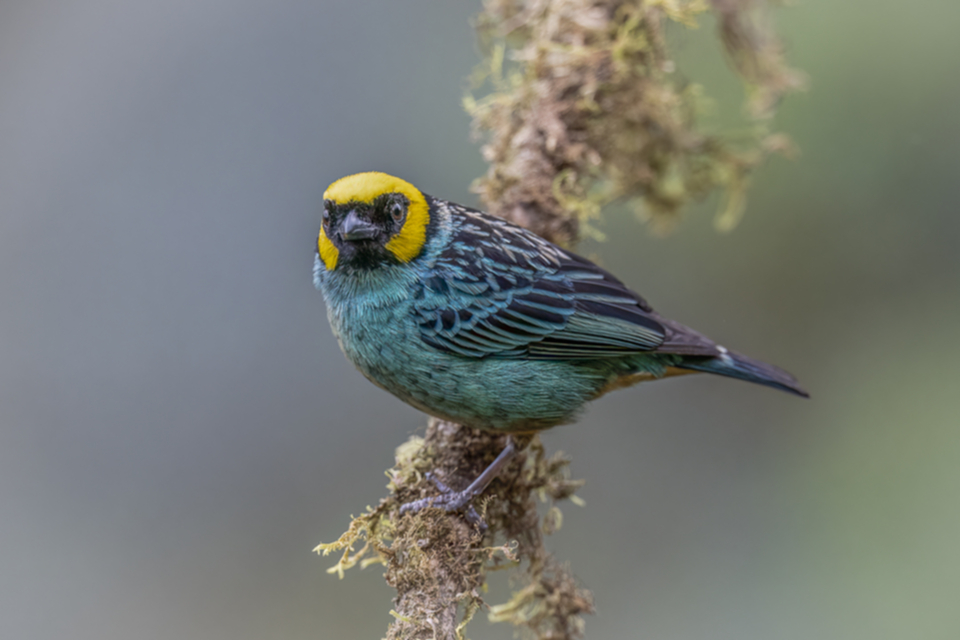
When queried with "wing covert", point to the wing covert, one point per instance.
{"points": [[500, 291]]}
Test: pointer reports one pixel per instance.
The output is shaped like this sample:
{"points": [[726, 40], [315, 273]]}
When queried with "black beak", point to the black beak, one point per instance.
{"points": [[353, 228]]}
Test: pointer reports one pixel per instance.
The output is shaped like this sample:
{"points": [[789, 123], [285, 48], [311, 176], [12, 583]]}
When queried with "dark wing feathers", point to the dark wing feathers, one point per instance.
{"points": [[500, 291], [684, 341]]}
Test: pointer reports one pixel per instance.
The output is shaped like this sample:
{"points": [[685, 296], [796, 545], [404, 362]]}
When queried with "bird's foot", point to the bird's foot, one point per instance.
{"points": [[448, 500]]}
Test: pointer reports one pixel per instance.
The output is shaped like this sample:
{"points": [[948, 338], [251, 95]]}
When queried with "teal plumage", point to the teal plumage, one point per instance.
{"points": [[487, 324]]}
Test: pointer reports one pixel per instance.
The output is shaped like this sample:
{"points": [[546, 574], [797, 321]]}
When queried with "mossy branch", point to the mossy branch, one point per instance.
{"points": [[438, 562], [582, 109]]}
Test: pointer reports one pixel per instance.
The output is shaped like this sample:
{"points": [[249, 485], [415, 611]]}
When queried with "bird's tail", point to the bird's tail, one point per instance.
{"points": [[734, 365]]}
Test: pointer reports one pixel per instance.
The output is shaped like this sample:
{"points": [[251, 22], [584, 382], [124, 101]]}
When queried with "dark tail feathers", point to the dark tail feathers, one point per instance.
{"points": [[734, 365]]}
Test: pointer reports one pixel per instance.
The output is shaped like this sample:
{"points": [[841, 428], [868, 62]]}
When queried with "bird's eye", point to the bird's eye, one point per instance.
{"points": [[397, 211], [325, 216]]}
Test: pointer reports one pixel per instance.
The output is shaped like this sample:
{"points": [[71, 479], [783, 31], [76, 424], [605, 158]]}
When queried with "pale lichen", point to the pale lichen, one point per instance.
{"points": [[438, 561], [583, 107]]}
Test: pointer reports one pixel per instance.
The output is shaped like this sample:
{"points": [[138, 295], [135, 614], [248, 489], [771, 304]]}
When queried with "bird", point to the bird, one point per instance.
{"points": [[472, 319]]}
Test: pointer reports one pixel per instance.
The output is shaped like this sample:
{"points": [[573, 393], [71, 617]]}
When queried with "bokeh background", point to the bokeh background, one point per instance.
{"points": [[178, 428]]}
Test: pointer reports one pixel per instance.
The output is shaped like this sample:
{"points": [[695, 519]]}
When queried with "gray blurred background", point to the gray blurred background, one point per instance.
{"points": [[178, 428]]}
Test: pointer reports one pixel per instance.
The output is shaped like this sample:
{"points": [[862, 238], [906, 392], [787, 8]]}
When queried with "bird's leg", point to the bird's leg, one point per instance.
{"points": [[450, 500]]}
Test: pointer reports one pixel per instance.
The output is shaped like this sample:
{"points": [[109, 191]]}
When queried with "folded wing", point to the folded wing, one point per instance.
{"points": [[501, 291]]}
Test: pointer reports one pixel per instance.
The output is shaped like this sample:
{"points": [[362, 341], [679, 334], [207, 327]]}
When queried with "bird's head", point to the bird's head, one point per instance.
{"points": [[371, 219]]}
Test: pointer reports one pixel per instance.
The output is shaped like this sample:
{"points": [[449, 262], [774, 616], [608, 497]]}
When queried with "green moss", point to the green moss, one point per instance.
{"points": [[438, 562], [582, 108]]}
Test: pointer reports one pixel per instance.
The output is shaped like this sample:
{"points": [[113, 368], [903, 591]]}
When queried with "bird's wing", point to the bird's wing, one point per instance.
{"points": [[498, 290]]}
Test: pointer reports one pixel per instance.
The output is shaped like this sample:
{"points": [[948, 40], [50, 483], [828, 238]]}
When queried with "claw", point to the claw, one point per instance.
{"points": [[450, 500]]}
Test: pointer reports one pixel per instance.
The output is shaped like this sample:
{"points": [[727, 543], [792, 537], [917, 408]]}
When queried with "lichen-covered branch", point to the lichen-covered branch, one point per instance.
{"points": [[438, 562], [582, 109]]}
